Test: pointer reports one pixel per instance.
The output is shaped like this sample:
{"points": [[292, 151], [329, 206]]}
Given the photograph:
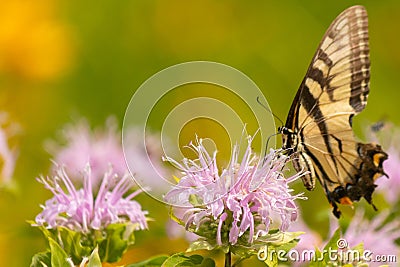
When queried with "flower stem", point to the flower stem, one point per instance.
{"points": [[228, 258]]}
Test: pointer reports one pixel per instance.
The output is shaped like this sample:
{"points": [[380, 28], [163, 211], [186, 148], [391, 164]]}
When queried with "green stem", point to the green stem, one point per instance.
{"points": [[228, 259]]}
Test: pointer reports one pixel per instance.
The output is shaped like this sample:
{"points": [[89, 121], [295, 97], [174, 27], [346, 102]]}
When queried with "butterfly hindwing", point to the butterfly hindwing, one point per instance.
{"points": [[318, 130]]}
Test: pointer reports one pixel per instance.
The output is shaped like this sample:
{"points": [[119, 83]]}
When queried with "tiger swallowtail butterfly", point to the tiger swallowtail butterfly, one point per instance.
{"points": [[318, 131]]}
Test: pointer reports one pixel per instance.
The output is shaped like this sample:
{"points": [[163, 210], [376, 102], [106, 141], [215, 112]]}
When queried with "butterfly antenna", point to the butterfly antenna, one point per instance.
{"points": [[269, 110], [266, 146]]}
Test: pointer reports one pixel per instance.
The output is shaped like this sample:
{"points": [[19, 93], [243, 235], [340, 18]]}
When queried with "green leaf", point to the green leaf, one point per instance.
{"points": [[152, 262], [288, 246], [198, 259], [267, 246], [76, 245], [271, 259], [42, 259], [243, 252], [208, 262], [317, 263], [178, 260], [118, 238], [58, 255], [359, 248], [280, 238], [112, 242], [332, 243], [73, 244], [175, 260], [46, 232], [94, 259], [199, 245], [321, 257]]}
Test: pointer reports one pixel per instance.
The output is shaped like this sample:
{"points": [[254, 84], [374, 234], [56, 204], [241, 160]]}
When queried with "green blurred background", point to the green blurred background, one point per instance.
{"points": [[64, 59]]}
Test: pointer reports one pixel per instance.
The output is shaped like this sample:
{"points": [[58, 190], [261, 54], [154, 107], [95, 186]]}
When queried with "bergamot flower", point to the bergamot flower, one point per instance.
{"points": [[81, 210], [239, 204]]}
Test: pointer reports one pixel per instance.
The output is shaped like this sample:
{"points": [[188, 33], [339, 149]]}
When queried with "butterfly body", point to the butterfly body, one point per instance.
{"points": [[318, 130]]}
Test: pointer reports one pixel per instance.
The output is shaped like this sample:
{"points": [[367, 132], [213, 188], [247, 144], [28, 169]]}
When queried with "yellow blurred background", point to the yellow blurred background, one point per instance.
{"points": [[64, 59]]}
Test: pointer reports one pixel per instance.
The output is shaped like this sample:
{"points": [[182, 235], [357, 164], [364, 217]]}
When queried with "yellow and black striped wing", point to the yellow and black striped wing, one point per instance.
{"points": [[335, 89]]}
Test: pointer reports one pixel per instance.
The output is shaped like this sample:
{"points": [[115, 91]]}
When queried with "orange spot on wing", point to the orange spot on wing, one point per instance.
{"points": [[378, 159], [346, 201]]}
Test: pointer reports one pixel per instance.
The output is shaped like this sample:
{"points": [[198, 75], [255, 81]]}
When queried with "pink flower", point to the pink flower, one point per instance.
{"points": [[102, 148], [389, 136], [309, 240], [243, 201], [8, 154], [99, 148], [81, 210], [174, 230], [376, 236], [390, 188]]}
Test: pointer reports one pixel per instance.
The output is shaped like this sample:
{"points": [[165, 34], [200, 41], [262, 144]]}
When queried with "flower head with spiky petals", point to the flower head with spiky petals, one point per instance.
{"points": [[378, 235], [81, 210], [239, 204], [99, 148]]}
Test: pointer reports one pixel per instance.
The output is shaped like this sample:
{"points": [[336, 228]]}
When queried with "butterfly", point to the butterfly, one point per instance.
{"points": [[318, 131]]}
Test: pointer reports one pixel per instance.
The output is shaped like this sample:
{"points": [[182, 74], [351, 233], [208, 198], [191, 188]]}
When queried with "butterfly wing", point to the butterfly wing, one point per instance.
{"points": [[335, 89]]}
